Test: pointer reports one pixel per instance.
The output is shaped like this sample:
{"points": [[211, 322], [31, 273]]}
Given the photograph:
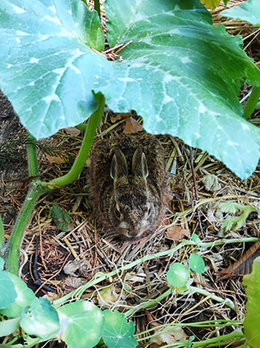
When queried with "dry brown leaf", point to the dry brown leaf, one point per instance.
{"points": [[120, 116], [72, 131], [132, 126], [176, 233], [72, 283], [244, 264], [72, 266], [168, 337], [55, 159], [107, 296]]}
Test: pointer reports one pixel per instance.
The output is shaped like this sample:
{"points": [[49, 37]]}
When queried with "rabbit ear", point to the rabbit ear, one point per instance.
{"points": [[118, 165], [139, 163]]}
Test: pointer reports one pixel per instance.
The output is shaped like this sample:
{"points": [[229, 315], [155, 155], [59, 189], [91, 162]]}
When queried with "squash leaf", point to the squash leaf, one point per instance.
{"points": [[180, 73]]}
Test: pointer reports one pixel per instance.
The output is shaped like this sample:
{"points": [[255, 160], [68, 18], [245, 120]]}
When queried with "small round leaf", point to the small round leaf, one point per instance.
{"points": [[195, 238], [117, 332], [178, 275], [196, 263]]}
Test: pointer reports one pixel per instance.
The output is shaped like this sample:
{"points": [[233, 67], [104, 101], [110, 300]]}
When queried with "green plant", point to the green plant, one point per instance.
{"points": [[37, 78], [247, 11], [251, 324], [48, 46], [236, 222], [194, 71], [73, 320], [79, 324]]}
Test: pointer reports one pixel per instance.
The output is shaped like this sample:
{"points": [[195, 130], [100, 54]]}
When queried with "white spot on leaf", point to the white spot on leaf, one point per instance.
{"points": [[52, 9], [21, 33], [167, 99], [87, 306], [185, 60], [202, 108], [34, 60], [75, 69], [174, 31], [126, 79], [245, 126], [232, 143], [51, 19], [58, 71], [50, 98], [17, 9]]}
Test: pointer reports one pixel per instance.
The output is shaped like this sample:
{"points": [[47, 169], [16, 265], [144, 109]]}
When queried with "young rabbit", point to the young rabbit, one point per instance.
{"points": [[128, 183]]}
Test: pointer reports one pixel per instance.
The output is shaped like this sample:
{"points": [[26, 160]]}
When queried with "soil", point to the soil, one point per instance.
{"points": [[13, 164]]}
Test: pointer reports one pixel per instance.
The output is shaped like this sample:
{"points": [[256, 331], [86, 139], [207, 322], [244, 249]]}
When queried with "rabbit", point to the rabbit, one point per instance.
{"points": [[128, 183]]}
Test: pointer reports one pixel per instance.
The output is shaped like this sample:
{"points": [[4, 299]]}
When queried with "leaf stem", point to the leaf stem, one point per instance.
{"points": [[35, 191], [37, 187], [221, 340], [32, 157], [80, 160], [99, 277], [218, 323], [2, 233], [228, 302], [191, 290], [148, 304], [97, 6], [252, 102]]}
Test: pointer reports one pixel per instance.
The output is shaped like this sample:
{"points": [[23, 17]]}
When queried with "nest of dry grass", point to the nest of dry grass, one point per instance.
{"points": [[67, 260]]}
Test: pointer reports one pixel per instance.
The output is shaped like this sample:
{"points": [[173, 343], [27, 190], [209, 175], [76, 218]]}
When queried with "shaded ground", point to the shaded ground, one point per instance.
{"points": [[67, 260]]}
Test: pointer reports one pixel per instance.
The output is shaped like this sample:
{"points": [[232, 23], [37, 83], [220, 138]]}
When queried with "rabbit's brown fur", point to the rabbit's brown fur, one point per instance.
{"points": [[128, 183]]}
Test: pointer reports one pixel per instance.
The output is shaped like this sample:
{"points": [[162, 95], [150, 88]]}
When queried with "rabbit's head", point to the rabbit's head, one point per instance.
{"points": [[134, 206]]}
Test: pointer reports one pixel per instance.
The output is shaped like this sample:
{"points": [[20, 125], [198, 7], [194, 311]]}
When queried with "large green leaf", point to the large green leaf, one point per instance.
{"points": [[7, 291], [248, 11], [252, 318], [81, 324], [181, 74], [24, 296], [8, 326], [40, 319], [47, 65]]}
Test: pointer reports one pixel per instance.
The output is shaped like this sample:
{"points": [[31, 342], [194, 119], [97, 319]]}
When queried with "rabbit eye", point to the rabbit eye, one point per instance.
{"points": [[117, 213]]}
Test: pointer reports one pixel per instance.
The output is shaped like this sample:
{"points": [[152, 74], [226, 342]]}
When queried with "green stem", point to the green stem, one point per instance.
{"points": [[97, 6], [32, 157], [218, 323], [37, 187], [148, 304], [219, 340], [2, 234], [252, 102], [81, 158], [100, 277], [35, 191], [191, 290], [228, 302]]}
